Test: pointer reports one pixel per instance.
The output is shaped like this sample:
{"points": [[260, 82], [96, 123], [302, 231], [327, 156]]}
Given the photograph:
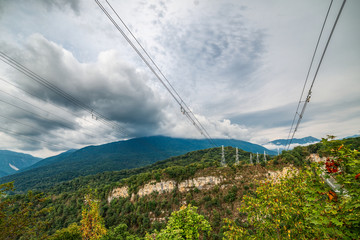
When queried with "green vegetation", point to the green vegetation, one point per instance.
{"points": [[247, 204], [301, 206], [184, 224], [92, 226], [22, 216], [116, 156]]}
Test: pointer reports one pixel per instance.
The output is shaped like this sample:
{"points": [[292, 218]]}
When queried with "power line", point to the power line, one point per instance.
{"points": [[38, 97], [49, 113], [24, 124], [37, 78], [159, 75], [308, 73], [317, 70], [76, 102], [30, 138], [182, 104], [32, 113], [19, 99]]}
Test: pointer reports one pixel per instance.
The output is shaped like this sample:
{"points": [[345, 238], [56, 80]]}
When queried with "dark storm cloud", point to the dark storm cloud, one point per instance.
{"points": [[31, 120], [110, 86]]}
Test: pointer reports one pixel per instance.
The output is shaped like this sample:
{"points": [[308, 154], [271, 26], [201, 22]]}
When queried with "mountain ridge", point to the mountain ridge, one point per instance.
{"points": [[304, 140], [114, 156], [10, 161]]}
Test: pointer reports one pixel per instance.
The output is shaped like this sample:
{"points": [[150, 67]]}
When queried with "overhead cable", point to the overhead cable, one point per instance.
{"points": [[71, 99], [308, 73], [52, 104], [158, 74], [307, 100]]}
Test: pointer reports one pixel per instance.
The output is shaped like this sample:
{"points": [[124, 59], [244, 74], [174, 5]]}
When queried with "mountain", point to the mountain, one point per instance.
{"points": [[114, 156], [49, 160], [167, 185], [11, 162], [353, 136], [301, 141]]}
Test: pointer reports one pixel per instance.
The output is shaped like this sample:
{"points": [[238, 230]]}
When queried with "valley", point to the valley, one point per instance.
{"points": [[141, 200]]}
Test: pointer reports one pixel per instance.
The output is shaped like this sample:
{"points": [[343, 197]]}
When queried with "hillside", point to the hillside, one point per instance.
{"points": [[12, 162], [49, 160], [141, 200], [153, 208], [113, 157]]}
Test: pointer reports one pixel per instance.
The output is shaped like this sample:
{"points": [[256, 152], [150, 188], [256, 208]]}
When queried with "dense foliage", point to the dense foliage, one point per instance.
{"points": [[297, 206], [116, 156], [92, 225], [184, 224], [22, 216], [301, 206]]}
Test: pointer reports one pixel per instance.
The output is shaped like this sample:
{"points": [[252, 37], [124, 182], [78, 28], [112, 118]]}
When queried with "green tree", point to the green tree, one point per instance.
{"points": [[92, 226], [302, 206], [21, 217], [72, 232], [184, 224], [119, 232]]}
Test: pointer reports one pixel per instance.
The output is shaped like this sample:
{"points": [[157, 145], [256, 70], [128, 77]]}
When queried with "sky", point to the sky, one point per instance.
{"points": [[239, 65]]}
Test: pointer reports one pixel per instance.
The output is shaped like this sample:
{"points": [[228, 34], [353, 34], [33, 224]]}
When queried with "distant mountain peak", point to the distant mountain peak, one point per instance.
{"points": [[301, 141], [11, 162]]}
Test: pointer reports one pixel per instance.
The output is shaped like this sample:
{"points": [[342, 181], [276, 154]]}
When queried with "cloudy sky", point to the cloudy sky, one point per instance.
{"points": [[239, 65]]}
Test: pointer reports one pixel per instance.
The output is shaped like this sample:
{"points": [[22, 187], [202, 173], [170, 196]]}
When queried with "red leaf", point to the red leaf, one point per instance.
{"points": [[357, 176]]}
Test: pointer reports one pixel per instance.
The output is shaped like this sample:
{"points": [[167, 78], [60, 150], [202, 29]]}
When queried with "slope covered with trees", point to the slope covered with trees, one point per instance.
{"points": [[248, 204], [115, 156], [11, 162]]}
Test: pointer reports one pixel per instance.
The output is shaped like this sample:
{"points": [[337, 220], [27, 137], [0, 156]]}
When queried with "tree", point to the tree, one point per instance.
{"points": [[22, 216], [302, 206], [184, 224], [92, 225], [72, 232], [119, 232]]}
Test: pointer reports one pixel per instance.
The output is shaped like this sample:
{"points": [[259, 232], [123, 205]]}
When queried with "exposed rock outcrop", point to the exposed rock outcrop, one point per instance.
{"points": [[275, 176], [160, 187], [118, 192], [201, 183]]}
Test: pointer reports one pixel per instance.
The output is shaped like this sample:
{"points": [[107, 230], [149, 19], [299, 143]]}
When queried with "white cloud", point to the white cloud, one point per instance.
{"points": [[239, 66]]}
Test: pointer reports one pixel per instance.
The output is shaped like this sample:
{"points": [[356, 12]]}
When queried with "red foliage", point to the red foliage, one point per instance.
{"points": [[331, 165], [357, 176]]}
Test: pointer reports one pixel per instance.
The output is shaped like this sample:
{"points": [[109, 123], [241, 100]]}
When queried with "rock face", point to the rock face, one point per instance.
{"points": [[275, 176], [201, 183], [160, 187], [118, 192]]}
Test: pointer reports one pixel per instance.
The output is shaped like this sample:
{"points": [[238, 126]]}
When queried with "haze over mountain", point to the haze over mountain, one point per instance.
{"points": [[280, 144], [114, 156], [301, 141], [11, 162]]}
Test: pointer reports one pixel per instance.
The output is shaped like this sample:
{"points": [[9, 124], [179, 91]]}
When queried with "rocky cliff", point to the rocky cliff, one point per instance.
{"points": [[201, 183]]}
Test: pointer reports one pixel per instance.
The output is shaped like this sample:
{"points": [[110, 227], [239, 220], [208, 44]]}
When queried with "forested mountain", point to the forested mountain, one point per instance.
{"points": [[113, 157], [49, 160], [11, 162], [234, 199]]}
